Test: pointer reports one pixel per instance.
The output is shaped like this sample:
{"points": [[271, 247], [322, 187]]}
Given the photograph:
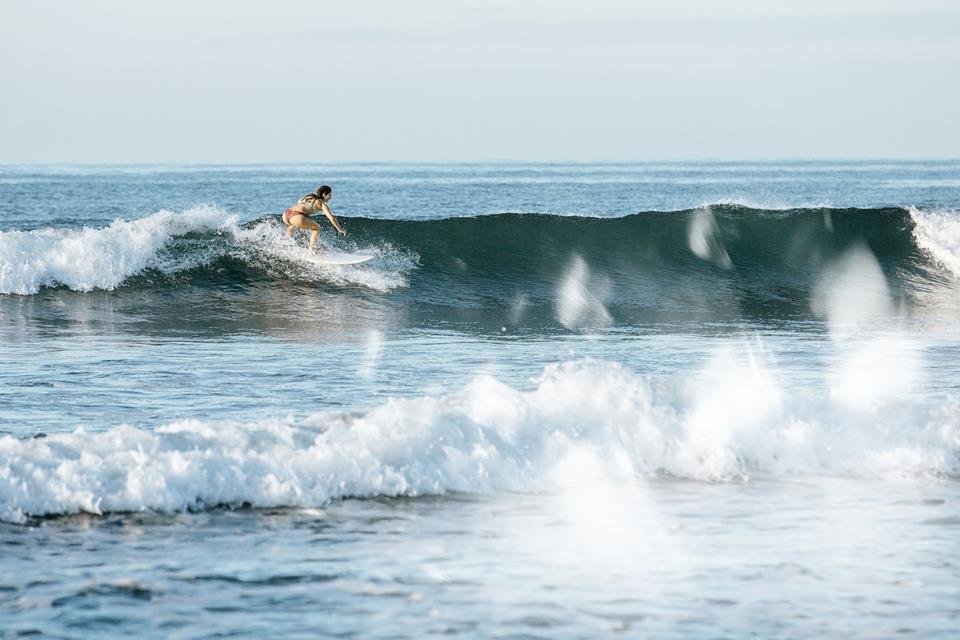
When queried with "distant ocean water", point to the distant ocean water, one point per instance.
{"points": [[672, 400]]}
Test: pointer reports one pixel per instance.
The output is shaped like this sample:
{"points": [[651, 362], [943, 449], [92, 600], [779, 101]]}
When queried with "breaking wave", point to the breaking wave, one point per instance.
{"points": [[730, 422], [717, 261]]}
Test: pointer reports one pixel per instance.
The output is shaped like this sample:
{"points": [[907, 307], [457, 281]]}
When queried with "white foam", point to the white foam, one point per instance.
{"points": [[876, 368], [732, 420], [266, 245], [765, 205], [937, 231], [88, 259]]}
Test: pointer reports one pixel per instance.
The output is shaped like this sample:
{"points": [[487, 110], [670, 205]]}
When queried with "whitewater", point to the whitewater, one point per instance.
{"points": [[562, 401]]}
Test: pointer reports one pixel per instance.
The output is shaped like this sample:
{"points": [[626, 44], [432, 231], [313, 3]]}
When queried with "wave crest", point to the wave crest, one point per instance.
{"points": [[169, 244], [731, 421], [725, 261]]}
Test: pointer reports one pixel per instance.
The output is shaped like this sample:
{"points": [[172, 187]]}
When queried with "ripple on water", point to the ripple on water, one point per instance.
{"points": [[269, 581], [122, 590]]}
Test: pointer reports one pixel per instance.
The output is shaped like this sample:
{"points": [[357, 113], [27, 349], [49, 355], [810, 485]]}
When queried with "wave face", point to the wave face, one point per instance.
{"points": [[201, 246], [711, 262], [583, 422]]}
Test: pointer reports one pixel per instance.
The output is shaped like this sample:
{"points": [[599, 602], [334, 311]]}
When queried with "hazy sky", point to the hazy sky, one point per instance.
{"points": [[218, 81]]}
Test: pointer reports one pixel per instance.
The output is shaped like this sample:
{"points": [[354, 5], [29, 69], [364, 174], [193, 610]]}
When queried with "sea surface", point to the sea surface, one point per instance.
{"points": [[653, 400]]}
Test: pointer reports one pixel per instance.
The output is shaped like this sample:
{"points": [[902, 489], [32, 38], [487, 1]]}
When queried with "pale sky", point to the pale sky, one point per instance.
{"points": [[115, 81]]}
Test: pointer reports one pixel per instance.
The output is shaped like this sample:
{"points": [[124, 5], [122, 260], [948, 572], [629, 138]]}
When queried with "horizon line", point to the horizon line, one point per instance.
{"points": [[466, 161]]}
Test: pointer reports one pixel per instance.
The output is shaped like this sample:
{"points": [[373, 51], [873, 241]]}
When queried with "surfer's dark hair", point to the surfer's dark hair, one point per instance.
{"points": [[320, 194]]}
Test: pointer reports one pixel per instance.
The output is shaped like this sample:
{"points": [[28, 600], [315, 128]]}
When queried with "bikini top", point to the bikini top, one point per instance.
{"points": [[312, 202]]}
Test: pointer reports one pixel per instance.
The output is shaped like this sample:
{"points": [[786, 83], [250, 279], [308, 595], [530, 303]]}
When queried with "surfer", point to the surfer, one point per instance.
{"points": [[298, 216]]}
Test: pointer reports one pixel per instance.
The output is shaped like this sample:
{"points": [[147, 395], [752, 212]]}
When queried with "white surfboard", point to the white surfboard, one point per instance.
{"points": [[335, 257]]}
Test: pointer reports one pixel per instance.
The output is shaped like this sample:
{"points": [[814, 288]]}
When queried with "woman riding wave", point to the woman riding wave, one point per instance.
{"points": [[298, 216]]}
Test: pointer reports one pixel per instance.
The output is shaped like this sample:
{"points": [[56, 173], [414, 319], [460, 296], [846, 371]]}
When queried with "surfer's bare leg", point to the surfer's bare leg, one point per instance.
{"points": [[305, 223]]}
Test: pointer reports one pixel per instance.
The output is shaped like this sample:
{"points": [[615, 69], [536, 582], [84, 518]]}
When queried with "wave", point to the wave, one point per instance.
{"points": [[582, 422], [937, 232], [712, 262], [168, 249]]}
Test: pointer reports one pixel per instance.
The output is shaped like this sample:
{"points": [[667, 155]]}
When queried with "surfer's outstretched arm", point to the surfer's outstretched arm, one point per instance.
{"points": [[333, 221]]}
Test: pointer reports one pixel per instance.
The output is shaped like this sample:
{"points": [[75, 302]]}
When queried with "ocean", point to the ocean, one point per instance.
{"points": [[566, 400]]}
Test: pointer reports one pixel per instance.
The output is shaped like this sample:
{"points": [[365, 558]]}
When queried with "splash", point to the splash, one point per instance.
{"points": [[938, 233], [731, 421], [170, 243], [264, 245], [88, 259]]}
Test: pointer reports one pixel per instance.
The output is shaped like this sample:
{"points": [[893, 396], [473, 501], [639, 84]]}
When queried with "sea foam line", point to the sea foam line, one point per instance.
{"points": [[729, 422]]}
